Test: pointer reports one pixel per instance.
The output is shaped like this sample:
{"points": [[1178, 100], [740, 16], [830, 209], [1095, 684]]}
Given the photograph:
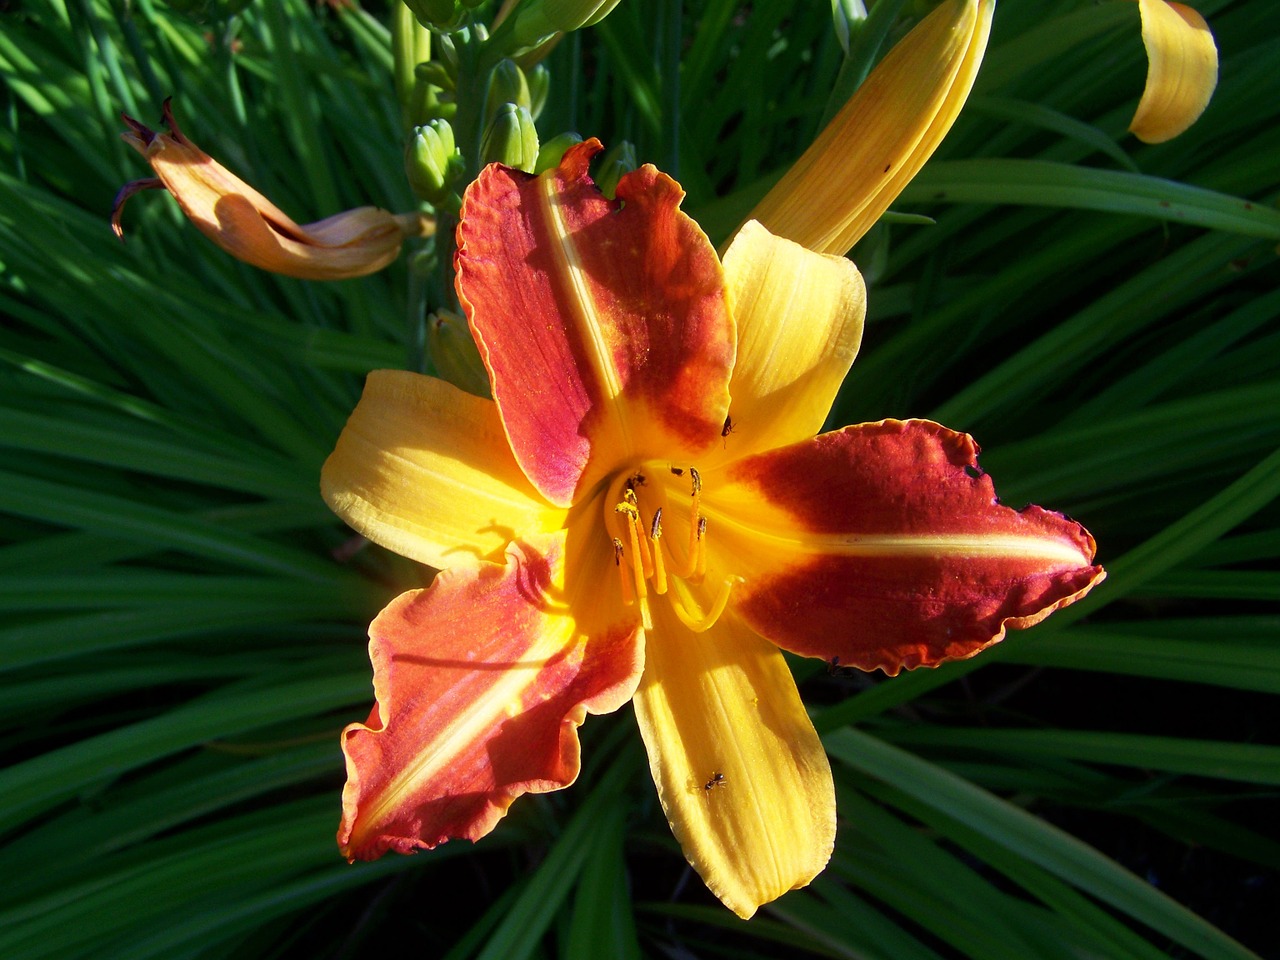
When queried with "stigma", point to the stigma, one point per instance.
{"points": [[650, 563]]}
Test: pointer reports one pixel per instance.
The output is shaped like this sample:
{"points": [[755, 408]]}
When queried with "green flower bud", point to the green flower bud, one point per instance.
{"points": [[539, 79], [551, 152], [435, 13], [619, 160], [432, 162], [847, 17], [533, 21], [454, 355], [507, 84], [437, 73], [511, 139]]}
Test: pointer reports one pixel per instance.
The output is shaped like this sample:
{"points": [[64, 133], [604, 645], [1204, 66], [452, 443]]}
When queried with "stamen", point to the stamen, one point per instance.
{"points": [[637, 570], [659, 566], [628, 591], [632, 509], [700, 566], [695, 521]]}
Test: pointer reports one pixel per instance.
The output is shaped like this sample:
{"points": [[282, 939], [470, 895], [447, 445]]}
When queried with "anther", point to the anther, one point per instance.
{"points": [[697, 480], [655, 528]]}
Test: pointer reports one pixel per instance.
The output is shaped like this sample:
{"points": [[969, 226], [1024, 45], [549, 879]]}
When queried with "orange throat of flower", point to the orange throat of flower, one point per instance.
{"points": [[648, 562]]}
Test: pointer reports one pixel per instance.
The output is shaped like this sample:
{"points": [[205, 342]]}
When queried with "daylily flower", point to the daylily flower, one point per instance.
{"points": [[1182, 70], [250, 227], [642, 512]]}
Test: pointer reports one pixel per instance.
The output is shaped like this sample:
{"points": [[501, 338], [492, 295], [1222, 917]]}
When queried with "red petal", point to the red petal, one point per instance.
{"points": [[603, 322], [482, 681], [883, 545]]}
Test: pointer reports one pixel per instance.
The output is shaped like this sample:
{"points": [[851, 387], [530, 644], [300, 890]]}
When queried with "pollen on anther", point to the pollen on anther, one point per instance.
{"points": [[655, 528], [697, 480]]}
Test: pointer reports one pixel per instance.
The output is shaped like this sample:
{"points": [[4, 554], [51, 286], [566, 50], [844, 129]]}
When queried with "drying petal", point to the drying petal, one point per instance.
{"points": [[881, 138], [883, 545], [424, 469], [799, 318], [724, 703], [1182, 70], [250, 227], [482, 681], [603, 323]]}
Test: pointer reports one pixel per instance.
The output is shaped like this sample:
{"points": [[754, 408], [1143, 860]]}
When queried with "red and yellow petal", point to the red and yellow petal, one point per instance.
{"points": [[1182, 70], [799, 318], [424, 469], [742, 776], [883, 545], [603, 323], [482, 681]]}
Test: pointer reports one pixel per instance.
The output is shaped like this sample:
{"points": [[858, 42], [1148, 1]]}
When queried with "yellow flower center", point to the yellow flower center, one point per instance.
{"points": [[648, 562]]}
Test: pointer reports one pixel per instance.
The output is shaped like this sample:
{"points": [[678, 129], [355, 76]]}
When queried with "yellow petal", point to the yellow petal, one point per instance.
{"points": [[251, 228], [425, 470], [1181, 74], [723, 703], [799, 316], [881, 138]]}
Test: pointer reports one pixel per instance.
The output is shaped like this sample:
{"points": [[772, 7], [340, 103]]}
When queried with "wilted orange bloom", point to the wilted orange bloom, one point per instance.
{"points": [[250, 227]]}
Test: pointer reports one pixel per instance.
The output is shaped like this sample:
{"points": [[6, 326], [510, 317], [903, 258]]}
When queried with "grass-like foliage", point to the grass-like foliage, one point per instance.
{"points": [[183, 620]]}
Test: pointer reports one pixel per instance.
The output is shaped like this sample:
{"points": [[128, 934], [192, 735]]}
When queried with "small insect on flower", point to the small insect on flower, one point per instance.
{"points": [[836, 669], [728, 426], [717, 780]]}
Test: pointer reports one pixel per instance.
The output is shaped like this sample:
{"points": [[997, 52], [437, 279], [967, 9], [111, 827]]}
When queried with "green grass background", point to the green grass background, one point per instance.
{"points": [[179, 646]]}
